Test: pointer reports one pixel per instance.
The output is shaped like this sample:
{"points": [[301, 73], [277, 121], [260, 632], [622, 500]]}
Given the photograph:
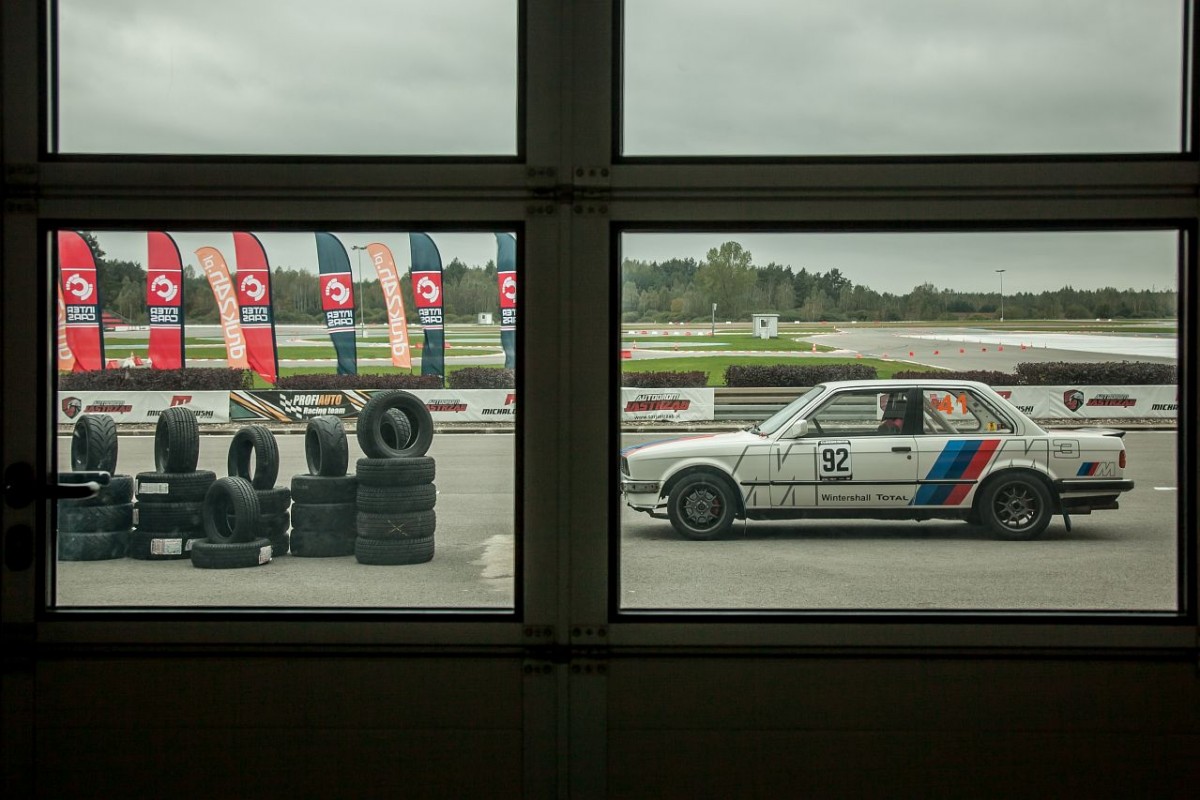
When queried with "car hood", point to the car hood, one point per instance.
{"points": [[708, 444]]}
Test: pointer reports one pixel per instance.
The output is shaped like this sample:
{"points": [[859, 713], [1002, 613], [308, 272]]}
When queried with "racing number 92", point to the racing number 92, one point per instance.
{"points": [[834, 460]]}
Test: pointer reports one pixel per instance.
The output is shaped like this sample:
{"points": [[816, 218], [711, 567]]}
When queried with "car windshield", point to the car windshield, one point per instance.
{"points": [[781, 417]]}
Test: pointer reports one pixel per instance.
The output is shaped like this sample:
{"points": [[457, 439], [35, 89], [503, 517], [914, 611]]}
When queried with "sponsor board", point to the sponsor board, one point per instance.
{"points": [[667, 405], [141, 407], [1094, 402], [445, 405]]}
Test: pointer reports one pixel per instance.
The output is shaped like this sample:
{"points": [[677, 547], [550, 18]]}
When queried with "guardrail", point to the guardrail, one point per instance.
{"points": [[752, 404]]}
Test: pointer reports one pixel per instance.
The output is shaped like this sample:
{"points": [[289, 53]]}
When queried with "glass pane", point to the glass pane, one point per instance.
{"points": [[287, 77], [335, 411], [899, 421], [877, 77]]}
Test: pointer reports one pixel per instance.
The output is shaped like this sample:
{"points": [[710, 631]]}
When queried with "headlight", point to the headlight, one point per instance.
{"points": [[624, 465]]}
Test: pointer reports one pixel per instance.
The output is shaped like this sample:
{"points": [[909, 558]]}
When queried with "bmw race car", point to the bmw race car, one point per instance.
{"points": [[884, 449]]}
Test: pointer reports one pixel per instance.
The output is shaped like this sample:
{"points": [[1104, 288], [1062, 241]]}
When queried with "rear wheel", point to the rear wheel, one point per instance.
{"points": [[1015, 507], [702, 506]]}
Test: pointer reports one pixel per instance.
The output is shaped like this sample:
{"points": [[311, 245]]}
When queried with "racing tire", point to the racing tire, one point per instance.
{"points": [[702, 506], [1016, 507], [148, 545], [324, 489], [92, 546], [231, 512], [94, 443], [174, 487], [119, 489], [412, 471], [176, 440], [275, 500], [387, 527], [321, 544], [171, 517], [256, 440], [377, 439], [392, 552], [82, 519], [383, 500], [207, 554], [325, 447], [324, 516]]}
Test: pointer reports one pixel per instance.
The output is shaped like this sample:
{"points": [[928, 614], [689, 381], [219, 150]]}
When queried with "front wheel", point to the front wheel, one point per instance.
{"points": [[1016, 507], [702, 507]]}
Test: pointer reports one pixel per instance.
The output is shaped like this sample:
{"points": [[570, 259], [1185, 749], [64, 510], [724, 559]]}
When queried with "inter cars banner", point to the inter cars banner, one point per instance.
{"points": [[427, 294], [337, 301], [164, 299], [389, 281], [66, 359], [81, 294], [142, 407], [254, 303], [668, 405], [217, 273], [506, 279], [1094, 402]]}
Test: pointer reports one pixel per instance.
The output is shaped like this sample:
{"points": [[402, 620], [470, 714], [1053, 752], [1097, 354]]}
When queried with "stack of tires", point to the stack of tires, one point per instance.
{"points": [[323, 501], [232, 535], [254, 456], [170, 499], [396, 493], [98, 527]]}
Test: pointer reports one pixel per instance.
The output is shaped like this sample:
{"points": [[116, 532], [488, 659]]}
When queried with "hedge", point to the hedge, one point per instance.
{"points": [[1062, 373], [664, 380], [395, 380], [157, 380], [795, 374], [482, 378]]}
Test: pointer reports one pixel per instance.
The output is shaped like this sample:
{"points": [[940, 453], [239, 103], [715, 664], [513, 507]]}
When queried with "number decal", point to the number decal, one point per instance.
{"points": [[946, 404], [833, 461]]}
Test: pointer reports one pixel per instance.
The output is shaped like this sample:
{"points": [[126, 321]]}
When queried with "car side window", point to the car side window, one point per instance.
{"points": [[958, 410], [867, 412]]}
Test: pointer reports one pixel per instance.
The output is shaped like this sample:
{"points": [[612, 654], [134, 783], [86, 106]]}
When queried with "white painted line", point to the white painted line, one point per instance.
{"points": [[1165, 488]]}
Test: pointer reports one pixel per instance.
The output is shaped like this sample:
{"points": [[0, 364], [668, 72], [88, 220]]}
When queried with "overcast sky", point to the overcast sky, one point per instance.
{"points": [[795, 77]]}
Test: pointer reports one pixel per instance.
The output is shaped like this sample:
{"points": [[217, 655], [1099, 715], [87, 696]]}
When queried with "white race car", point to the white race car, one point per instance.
{"points": [[884, 449]]}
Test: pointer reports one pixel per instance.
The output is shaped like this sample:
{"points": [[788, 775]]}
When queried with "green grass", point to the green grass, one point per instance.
{"points": [[715, 365]]}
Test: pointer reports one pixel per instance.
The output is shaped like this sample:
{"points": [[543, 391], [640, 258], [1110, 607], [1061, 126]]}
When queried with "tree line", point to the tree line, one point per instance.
{"points": [[684, 290]]}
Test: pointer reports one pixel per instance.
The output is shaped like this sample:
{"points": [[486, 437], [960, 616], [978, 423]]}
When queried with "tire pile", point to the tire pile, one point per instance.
{"points": [[324, 500], [170, 499], [259, 442], [396, 493], [98, 527]]}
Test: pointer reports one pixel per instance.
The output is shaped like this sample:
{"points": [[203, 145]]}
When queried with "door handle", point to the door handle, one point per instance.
{"points": [[21, 487], [901, 449]]}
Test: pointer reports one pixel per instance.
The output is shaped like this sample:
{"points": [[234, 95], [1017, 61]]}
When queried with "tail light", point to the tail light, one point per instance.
{"points": [[1121, 460]]}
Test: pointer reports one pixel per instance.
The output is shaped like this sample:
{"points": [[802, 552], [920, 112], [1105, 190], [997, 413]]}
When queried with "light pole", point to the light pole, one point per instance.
{"points": [[358, 301], [712, 331], [1001, 272]]}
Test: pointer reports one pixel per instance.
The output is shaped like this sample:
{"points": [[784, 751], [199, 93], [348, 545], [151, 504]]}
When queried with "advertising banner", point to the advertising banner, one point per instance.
{"points": [[1094, 402], [337, 301], [668, 405], [217, 273], [141, 407], [164, 299], [81, 295], [389, 281], [66, 359], [254, 304], [427, 294], [506, 279], [445, 405]]}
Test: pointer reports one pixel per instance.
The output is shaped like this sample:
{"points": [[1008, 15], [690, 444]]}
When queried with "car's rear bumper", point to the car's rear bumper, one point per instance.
{"points": [[1091, 486]]}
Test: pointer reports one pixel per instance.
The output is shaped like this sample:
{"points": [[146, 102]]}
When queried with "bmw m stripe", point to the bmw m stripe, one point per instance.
{"points": [[960, 460]]}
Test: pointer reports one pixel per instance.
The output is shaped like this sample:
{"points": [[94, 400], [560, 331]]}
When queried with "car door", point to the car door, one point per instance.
{"points": [[858, 452], [960, 436]]}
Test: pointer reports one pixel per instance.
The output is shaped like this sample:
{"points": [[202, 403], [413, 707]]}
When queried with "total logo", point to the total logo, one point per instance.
{"points": [[337, 291], [78, 287], [428, 290], [255, 289], [164, 288]]}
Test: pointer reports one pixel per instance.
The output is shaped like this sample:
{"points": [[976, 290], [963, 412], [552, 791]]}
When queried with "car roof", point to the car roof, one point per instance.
{"points": [[900, 383]]}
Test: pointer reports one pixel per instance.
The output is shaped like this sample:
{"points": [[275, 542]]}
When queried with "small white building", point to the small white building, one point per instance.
{"points": [[483, 318], [766, 326]]}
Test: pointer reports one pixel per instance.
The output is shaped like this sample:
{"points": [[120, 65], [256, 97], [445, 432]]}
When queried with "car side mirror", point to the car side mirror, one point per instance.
{"points": [[798, 430]]}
